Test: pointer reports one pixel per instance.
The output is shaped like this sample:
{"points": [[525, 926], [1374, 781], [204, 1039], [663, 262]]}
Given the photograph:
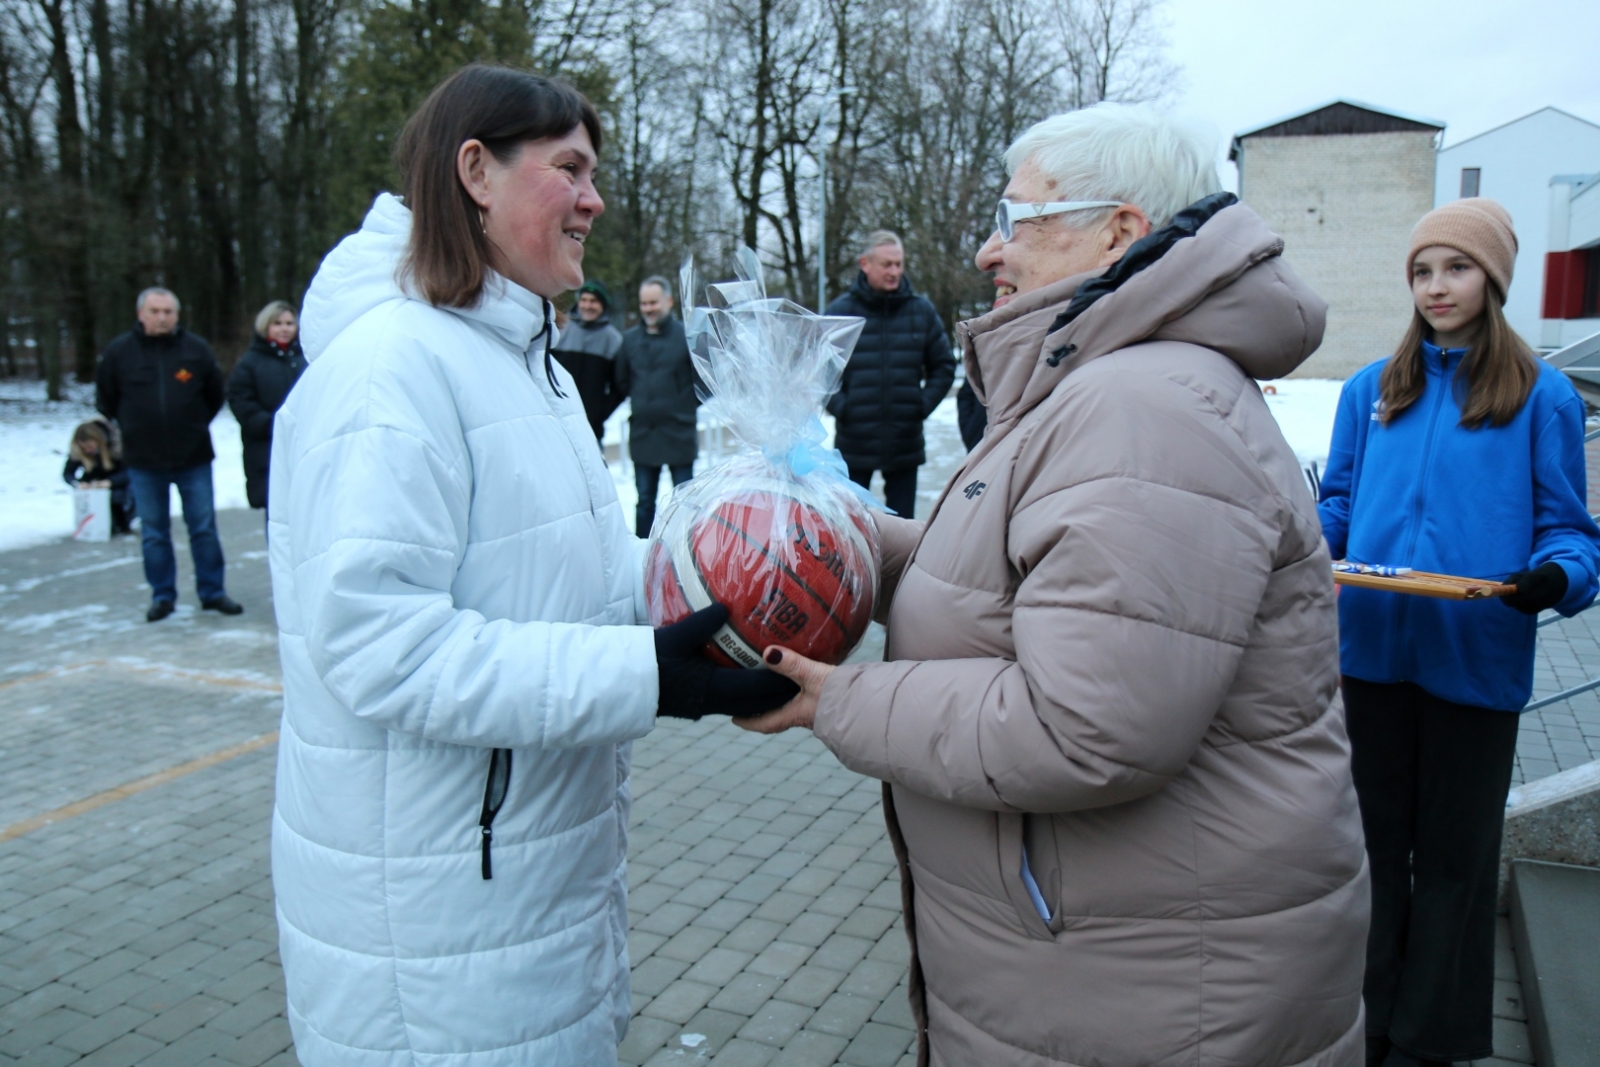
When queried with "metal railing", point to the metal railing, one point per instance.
{"points": [[1547, 618], [1565, 694]]}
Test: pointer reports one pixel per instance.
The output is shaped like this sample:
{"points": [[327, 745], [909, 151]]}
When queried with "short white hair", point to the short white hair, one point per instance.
{"points": [[878, 239], [156, 290], [1130, 153]]}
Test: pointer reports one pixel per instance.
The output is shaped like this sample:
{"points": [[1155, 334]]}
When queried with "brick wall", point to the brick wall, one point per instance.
{"points": [[1345, 205]]}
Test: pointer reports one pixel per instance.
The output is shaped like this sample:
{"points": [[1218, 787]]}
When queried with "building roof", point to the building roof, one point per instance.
{"points": [[1513, 122], [1337, 117], [1578, 182]]}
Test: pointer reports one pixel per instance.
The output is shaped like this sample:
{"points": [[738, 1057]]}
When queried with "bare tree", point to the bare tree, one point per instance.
{"points": [[1115, 51], [220, 147]]}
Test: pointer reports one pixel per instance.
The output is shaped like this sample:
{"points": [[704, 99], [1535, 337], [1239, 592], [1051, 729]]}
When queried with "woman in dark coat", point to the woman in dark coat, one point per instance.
{"points": [[258, 387]]}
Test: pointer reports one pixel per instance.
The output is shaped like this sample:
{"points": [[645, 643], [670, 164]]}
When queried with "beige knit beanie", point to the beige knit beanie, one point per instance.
{"points": [[1478, 226]]}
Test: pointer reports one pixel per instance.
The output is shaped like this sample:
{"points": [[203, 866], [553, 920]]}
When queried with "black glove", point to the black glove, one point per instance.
{"points": [[1543, 587], [692, 686]]}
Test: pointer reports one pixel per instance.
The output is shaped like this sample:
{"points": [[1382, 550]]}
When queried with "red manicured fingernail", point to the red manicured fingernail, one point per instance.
{"points": [[774, 657]]}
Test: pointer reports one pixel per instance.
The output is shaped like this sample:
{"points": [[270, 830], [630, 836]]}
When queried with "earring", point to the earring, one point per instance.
{"points": [[483, 222]]}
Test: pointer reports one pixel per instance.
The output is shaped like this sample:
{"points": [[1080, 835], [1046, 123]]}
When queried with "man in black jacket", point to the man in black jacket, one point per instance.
{"points": [[654, 372], [901, 369], [163, 387]]}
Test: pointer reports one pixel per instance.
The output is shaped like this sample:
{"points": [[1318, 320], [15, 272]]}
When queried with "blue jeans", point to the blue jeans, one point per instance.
{"points": [[152, 499], [648, 481]]}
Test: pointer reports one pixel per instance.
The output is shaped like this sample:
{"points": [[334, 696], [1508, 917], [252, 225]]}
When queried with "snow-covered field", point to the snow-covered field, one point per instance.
{"points": [[36, 505]]}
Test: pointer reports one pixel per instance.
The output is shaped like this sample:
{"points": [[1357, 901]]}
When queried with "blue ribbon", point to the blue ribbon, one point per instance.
{"points": [[807, 456]]}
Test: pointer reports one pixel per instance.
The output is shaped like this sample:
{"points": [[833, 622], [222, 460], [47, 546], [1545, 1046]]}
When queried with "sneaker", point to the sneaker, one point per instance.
{"points": [[224, 603], [159, 609]]}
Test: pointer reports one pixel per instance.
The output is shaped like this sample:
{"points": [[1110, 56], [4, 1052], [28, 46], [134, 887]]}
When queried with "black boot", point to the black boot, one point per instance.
{"points": [[159, 609], [224, 603]]}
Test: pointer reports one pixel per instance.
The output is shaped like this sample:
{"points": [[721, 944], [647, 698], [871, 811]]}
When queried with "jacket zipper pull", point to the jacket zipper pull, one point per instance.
{"points": [[494, 796], [1060, 354]]}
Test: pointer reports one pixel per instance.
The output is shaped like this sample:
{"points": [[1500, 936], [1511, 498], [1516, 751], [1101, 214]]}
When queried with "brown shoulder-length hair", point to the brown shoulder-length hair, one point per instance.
{"points": [[1493, 381], [448, 257]]}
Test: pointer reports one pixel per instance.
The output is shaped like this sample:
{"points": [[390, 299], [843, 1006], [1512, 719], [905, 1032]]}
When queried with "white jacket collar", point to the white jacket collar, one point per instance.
{"points": [[362, 272]]}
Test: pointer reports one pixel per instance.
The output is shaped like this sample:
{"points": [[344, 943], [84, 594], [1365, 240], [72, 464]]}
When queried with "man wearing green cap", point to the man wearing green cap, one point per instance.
{"points": [[588, 349]]}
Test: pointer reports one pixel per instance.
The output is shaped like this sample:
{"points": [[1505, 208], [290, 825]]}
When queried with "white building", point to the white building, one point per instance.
{"points": [[1514, 164], [1571, 306], [1343, 183]]}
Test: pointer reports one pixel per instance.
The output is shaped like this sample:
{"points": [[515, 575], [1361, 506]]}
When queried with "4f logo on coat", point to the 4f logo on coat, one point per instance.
{"points": [[183, 374], [972, 490]]}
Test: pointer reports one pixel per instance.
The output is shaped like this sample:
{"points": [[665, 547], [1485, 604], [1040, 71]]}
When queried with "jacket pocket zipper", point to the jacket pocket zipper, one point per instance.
{"points": [[494, 797]]}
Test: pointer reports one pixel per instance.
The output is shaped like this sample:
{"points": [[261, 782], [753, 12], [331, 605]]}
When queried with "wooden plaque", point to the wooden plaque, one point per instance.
{"points": [[1426, 583]]}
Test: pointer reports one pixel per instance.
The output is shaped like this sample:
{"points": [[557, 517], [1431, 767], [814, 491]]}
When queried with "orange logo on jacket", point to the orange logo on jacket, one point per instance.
{"points": [[183, 374]]}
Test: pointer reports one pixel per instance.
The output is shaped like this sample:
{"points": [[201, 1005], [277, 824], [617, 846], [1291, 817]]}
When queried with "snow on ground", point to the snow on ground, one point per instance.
{"points": [[1304, 408], [35, 504]]}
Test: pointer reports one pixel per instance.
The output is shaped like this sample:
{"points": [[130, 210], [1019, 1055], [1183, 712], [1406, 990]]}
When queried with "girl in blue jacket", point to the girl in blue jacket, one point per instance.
{"points": [[1463, 454]]}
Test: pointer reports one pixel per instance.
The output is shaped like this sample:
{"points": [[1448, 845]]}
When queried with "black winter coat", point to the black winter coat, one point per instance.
{"points": [[654, 372], [901, 369], [971, 416], [259, 385], [589, 352], [163, 393]]}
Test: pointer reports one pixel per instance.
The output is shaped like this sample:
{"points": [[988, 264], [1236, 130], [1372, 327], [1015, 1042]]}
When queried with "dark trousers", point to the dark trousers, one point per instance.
{"points": [[648, 479], [152, 501], [1432, 778], [899, 488]]}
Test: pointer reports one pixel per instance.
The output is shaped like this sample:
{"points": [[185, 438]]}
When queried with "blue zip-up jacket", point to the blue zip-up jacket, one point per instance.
{"points": [[1427, 493]]}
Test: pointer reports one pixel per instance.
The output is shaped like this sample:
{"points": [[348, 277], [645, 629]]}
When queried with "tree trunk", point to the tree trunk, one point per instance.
{"points": [[249, 212], [47, 336], [74, 238], [761, 105]]}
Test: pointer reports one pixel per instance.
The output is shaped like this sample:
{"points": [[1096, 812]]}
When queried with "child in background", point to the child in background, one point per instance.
{"points": [[1462, 454], [94, 460]]}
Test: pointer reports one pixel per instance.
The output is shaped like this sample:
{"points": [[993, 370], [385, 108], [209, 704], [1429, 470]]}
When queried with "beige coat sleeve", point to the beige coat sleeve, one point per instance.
{"points": [[897, 539], [1142, 567]]}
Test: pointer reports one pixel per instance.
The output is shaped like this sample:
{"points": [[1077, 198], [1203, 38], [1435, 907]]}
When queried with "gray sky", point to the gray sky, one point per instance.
{"points": [[1470, 63]]}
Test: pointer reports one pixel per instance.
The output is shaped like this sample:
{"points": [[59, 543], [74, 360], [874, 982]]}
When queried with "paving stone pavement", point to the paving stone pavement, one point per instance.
{"points": [[764, 902], [1564, 735]]}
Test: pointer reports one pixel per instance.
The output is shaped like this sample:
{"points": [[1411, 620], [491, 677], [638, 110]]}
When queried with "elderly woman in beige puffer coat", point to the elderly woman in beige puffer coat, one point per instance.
{"points": [[1116, 770]]}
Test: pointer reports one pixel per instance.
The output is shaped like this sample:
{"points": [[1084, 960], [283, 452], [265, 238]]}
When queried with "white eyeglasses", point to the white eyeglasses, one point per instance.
{"points": [[1009, 213]]}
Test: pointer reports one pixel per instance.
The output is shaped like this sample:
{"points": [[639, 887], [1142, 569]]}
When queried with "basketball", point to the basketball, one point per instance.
{"points": [[787, 575]]}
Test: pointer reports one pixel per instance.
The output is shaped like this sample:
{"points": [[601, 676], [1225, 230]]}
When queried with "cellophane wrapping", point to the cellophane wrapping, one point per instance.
{"points": [[776, 532]]}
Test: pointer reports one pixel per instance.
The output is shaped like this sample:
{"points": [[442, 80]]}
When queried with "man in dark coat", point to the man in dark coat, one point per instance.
{"points": [[971, 416], [162, 386], [259, 385], [901, 369], [655, 374], [588, 348]]}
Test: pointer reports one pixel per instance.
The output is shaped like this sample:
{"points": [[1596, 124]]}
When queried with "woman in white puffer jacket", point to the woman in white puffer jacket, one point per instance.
{"points": [[459, 602]]}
